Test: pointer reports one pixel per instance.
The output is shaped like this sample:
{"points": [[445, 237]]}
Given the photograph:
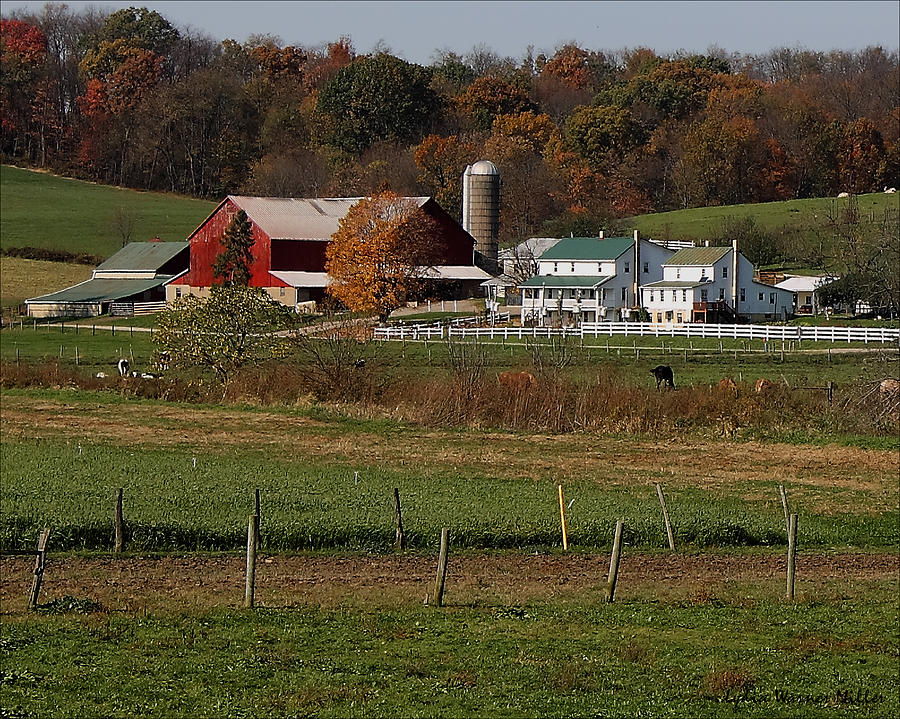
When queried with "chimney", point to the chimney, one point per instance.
{"points": [[637, 268], [734, 275]]}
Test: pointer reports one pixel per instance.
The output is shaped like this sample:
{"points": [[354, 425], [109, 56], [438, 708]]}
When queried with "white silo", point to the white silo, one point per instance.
{"points": [[481, 208]]}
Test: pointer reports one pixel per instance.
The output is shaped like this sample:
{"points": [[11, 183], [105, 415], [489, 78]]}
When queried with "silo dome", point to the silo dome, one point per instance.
{"points": [[485, 167]]}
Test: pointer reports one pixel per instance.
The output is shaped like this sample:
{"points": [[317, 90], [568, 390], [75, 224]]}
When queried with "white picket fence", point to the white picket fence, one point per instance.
{"points": [[647, 329]]}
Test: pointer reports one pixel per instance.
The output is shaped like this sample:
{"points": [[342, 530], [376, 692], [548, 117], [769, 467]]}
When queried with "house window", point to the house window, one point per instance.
{"points": [[680, 318], [668, 316], [771, 298], [624, 290], [760, 296], [604, 293], [646, 267], [742, 294], [549, 294], [659, 317], [721, 293], [627, 268], [724, 272], [703, 295], [683, 295], [677, 273], [651, 295]]}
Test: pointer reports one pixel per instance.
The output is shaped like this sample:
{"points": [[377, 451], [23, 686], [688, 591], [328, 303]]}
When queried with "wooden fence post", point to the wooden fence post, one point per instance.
{"points": [[38, 572], [258, 520], [665, 511], [792, 556], [119, 540], [250, 586], [830, 392], [441, 568], [614, 562], [399, 537], [784, 506], [562, 519]]}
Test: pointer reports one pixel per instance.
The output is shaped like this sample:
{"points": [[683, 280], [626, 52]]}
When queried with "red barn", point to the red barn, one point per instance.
{"points": [[290, 236]]}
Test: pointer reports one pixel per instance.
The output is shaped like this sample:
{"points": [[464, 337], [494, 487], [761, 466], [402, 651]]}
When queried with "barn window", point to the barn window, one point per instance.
{"points": [[281, 291], [556, 267], [178, 292], [572, 267]]}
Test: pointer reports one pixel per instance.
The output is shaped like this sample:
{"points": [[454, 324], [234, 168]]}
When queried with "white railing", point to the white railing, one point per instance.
{"points": [[647, 329], [126, 309]]}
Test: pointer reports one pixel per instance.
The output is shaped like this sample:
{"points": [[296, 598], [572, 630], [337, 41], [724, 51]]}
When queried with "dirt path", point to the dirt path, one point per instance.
{"points": [[176, 583]]}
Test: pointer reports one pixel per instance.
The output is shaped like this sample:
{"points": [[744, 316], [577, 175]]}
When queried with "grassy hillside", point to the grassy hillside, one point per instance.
{"points": [[42, 210], [803, 217], [21, 279]]}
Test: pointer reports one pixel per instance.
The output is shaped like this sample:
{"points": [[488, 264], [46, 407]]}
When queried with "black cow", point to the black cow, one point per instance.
{"points": [[663, 373]]}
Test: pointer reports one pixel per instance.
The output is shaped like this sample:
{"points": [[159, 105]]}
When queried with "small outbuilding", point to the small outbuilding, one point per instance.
{"points": [[134, 276]]}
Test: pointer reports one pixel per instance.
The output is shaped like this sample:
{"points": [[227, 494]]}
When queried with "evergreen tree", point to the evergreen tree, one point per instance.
{"points": [[232, 265]]}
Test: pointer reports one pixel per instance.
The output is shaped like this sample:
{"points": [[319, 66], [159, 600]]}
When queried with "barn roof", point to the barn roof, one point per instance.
{"points": [[142, 256], [588, 248], [296, 218], [101, 290]]}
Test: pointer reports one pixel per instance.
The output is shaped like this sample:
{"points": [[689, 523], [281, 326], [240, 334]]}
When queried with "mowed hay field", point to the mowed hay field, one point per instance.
{"points": [[21, 279]]}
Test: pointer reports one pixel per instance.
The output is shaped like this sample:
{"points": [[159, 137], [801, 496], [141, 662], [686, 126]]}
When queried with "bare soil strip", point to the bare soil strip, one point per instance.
{"points": [[181, 583]]}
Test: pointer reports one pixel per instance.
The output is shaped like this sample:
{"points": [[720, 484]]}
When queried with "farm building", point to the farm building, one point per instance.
{"points": [[135, 275], [713, 284], [805, 289], [590, 279], [290, 237]]}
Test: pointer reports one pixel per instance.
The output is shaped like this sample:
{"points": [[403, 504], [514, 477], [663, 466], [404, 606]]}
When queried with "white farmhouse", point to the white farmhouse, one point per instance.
{"points": [[590, 279], [713, 284]]}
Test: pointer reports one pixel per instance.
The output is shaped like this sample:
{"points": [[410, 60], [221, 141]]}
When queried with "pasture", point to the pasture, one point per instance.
{"points": [[798, 218], [48, 211], [21, 279]]}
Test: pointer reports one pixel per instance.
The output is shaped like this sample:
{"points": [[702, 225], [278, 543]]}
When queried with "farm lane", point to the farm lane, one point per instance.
{"points": [[175, 583], [612, 461]]}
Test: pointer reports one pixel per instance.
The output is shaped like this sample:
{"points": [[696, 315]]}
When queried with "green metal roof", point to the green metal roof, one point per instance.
{"points": [[588, 248], [698, 256], [102, 290], [142, 256], [565, 281]]}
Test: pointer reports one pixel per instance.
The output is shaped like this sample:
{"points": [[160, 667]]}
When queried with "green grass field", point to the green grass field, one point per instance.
{"points": [[42, 210], [805, 217], [755, 658]]}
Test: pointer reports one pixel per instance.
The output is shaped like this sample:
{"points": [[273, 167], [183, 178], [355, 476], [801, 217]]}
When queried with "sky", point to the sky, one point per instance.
{"points": [[415, 31]]}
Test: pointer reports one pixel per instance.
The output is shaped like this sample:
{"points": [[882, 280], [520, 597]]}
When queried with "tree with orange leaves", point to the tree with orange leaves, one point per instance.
{"points": [[381, 254]]}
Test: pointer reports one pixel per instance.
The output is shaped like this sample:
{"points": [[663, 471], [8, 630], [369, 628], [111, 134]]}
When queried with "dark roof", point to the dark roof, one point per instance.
{"points": [[565, 281], [102, 290], [588, 248], [142, 256]]}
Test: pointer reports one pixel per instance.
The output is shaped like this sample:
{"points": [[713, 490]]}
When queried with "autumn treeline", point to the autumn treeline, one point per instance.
{"points": [[580, 137]]}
